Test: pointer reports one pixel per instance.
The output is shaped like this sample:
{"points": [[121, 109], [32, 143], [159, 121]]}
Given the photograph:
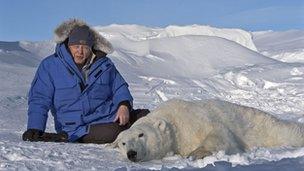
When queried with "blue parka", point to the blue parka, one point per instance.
{"points": [[59, 86]]}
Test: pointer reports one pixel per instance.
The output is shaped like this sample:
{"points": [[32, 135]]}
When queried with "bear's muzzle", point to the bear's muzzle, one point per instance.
{"points": [[132, 155]]}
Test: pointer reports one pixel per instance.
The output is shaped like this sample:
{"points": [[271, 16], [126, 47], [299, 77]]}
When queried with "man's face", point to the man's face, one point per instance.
{"points": [[80, 53]]}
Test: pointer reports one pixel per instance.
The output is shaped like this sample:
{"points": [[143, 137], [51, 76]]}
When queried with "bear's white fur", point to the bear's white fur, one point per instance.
{"points": [[199, 128]]}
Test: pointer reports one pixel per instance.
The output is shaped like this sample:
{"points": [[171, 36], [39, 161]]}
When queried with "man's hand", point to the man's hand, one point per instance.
{"points": [[122, 115], [32, 135]]}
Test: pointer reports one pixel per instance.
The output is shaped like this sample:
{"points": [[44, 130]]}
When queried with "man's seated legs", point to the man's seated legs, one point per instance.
{"points": [[107, 133]]}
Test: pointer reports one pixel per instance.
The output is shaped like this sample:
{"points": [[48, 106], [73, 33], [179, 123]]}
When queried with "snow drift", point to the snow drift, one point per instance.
{"points": [[287, 46]]}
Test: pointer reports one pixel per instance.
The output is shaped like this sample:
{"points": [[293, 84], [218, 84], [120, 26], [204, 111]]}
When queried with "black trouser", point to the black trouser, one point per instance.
{"points": [[107, 133]]}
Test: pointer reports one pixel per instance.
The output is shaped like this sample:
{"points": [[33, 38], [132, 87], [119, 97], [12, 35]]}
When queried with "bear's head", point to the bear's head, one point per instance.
{"points": [[145, 141]]}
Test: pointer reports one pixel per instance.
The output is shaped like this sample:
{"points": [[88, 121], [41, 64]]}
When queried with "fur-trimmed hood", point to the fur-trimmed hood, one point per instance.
{"points": [[63, 31]]}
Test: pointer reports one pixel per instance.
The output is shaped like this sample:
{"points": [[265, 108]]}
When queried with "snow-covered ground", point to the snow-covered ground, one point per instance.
{"points": [[190, 62]]}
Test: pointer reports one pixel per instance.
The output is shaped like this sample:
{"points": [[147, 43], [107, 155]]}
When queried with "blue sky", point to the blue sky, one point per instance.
{"points": [[36, 19]]}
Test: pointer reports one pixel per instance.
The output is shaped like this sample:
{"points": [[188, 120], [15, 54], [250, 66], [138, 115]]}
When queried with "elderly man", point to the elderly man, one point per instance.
{"points": [[87, 96]]}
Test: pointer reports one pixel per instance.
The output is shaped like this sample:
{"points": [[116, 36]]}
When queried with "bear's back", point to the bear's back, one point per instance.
{"points": [[195, 119]]}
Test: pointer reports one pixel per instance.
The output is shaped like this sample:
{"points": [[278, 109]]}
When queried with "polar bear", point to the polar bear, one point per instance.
{"points": [[199, 128]]}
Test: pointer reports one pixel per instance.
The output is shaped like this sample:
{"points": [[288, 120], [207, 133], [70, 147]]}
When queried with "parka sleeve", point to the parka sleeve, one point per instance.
{"points": [[120, 90], [40, 98]]}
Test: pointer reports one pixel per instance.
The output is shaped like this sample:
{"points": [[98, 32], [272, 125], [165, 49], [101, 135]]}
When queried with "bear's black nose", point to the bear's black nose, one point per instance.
{"points": [[132, 155]]}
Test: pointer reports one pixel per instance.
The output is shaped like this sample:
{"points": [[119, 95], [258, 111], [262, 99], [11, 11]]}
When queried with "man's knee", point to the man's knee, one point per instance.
{"points": [[136, 114], [102, 133]]}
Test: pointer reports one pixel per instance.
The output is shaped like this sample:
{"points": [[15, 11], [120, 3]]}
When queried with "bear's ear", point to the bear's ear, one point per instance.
{"points": [[113, 144], [160, 124]]}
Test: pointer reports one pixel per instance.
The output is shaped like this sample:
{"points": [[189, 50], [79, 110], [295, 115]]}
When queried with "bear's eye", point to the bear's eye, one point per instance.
{"points": [[141, 135], [123, 143]]}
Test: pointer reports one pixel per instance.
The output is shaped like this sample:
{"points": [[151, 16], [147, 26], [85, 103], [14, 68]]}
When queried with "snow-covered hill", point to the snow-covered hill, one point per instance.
{"points": [[189, 62], [13, 53], [287, 46], [41, 49], [187, 56], [138, 33]]}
